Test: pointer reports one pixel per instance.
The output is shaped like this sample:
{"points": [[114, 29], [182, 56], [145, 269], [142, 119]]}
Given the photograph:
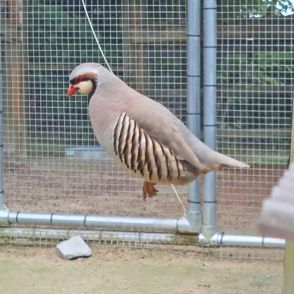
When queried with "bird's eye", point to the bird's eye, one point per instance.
{"points": [[79, 79]]}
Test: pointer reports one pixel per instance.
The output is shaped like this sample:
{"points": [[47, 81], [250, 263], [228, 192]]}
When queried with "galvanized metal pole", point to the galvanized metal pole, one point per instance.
{"points": [[193, 99], [112, 223], [2, 198], [222, 239], [209, 92]]}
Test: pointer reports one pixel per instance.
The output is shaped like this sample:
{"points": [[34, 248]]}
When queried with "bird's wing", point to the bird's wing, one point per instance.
{"points": [[147, 155], [165, 127], [161, 125]]}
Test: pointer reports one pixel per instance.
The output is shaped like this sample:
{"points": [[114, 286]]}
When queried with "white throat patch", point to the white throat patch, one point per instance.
{"points": [[85, 87]]}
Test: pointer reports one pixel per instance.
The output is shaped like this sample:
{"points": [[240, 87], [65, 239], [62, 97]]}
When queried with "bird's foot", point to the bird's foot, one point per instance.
{"points": [[149, 190]]}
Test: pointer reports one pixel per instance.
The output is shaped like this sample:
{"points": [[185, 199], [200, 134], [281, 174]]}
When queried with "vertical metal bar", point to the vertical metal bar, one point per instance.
{"points": [[209, 125], [2, 198], [193, 98]]}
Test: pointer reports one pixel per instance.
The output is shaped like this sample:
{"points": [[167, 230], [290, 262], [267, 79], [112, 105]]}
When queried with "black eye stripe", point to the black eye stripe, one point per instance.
{"points": [[79, 79]]}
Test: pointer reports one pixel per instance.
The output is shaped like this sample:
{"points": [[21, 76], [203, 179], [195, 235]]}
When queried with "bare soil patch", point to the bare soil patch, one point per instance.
{"points": [[125, 270], [102, 187]]}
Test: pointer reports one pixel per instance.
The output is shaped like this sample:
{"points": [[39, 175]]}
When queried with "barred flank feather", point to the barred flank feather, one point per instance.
{"points": [[142, 154]]}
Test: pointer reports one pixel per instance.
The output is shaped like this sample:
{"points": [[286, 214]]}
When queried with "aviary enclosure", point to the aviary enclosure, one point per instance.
{"points": [[223, 67]]}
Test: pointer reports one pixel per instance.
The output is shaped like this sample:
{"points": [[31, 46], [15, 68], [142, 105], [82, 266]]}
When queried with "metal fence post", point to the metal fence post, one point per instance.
{"points": [[209, 98], [193, 99]]}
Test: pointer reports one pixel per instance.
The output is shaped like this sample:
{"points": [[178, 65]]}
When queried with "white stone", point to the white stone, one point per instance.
{"points": [[74, 247]]}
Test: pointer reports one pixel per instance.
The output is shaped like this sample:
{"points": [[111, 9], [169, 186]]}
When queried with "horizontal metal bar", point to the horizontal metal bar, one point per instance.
{"points": [[222, 239], [209, 8], [193, 114], [194, 35], [209, 125], [115, 223], [136, 228], [209, 85]]}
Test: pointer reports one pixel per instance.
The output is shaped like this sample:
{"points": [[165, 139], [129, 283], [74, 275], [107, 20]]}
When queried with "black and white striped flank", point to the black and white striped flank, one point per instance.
{"points": [[143, 155]]}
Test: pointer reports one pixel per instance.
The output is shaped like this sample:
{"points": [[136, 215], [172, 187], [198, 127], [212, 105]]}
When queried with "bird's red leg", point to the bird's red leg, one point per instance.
{"points": [[149, 190]]}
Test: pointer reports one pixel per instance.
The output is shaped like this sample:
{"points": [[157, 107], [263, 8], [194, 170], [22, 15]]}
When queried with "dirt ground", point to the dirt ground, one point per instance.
{"points": [[29, 270], [101, 187]]}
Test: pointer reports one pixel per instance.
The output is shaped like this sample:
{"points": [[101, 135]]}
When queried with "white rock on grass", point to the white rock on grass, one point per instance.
{"points": [[74, 247]]}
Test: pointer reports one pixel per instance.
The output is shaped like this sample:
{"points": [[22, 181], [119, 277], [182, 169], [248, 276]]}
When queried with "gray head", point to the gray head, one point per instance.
{"points": [[86, 77]]}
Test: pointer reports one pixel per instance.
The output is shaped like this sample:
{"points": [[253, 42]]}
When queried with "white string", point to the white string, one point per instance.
{"points": [[178, 197], [96, 39], [98, 43]]}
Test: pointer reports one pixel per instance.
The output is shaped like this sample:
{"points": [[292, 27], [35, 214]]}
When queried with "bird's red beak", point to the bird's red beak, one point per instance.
{"points": [[71, 90]]}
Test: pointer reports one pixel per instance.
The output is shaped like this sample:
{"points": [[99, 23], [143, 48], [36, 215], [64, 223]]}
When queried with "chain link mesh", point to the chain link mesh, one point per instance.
{"points": [[52, 160]]}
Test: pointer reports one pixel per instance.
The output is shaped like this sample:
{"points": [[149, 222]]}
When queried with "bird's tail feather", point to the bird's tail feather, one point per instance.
{"points": [[225, 161]]}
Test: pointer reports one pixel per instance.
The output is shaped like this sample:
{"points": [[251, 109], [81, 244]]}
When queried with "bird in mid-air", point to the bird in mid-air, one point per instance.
{"points": [[143, 135]]}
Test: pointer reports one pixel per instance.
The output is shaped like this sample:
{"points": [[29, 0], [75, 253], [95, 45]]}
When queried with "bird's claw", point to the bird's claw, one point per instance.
{"points": [[149, 190]]}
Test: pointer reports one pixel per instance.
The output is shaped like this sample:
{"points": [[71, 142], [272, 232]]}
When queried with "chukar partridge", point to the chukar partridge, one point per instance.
{"points": [[143, 135]]}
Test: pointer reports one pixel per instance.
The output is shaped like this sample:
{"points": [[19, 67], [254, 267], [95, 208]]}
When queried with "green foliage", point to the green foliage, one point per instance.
{"points": [[252, 9], [260, 67], [256, 88], [54, 118], [55, 36], [256, 70], [57, 39]]}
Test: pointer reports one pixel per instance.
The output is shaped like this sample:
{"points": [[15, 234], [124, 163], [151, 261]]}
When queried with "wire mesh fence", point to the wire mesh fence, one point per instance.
{"points": [[52, 160], [255, 78]]}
